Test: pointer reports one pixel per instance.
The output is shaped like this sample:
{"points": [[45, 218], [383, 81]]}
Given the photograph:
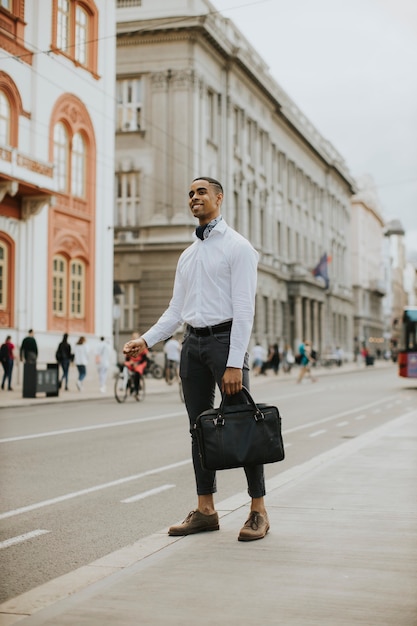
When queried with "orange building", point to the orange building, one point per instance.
{"points": [[57, 105]]}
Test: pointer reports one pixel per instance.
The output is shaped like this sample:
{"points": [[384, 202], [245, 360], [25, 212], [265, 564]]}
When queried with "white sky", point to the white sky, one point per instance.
{"points": [[351, 67]]}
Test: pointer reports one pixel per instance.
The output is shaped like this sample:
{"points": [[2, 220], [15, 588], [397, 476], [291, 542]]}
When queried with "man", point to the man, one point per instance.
{"points": [[29, 348], [172, 350], [214, 295]]}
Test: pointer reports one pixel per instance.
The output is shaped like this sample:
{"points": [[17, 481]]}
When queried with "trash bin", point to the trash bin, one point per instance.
{"points": [[47, 380], [369, 360], [29, 380]]}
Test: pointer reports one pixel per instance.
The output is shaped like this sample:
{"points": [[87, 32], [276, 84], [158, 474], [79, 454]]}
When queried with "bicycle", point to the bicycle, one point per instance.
{"points": [[154, 369], [124, 385], [171, 375]]}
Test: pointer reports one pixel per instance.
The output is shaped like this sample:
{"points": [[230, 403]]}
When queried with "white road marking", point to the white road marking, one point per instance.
{"points": [[83, 492], [146, 494], [21, 538], [360, 417], [333, 417], [318, 432], [340, 424], [67, 431]]}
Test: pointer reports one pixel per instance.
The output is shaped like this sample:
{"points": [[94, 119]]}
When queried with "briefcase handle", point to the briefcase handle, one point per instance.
{"points": [[258, 415]]}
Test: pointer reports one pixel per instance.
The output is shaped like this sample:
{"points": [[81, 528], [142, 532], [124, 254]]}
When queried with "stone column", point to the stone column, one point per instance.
{"points": [[316, 332], [298, 322], [307, 319]]}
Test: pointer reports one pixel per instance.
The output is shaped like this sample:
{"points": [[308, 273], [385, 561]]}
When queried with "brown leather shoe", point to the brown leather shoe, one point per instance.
{"points": [[195, 522], [255, 527]]}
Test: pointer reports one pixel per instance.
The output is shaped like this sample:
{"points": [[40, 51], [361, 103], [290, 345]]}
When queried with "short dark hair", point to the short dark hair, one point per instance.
{"points": [[212, 181]]}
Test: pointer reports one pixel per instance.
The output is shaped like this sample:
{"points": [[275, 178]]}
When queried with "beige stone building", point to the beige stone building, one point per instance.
{"points": [[369, 276], [193, 99]]}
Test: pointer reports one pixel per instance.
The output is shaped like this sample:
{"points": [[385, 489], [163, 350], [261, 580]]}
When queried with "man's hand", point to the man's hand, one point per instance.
{"points": [[232, 381], [134, 347]]}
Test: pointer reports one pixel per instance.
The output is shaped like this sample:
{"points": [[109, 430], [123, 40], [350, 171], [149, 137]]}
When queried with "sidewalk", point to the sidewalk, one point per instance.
{"points": [[341, 551], [91, 386]]}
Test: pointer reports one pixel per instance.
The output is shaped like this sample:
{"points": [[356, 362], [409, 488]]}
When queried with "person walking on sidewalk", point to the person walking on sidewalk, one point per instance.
{"points": [[64, 357], [214, 295], [305, 350], [7, 360], [81, 361], [29, 348], [102, 362]]}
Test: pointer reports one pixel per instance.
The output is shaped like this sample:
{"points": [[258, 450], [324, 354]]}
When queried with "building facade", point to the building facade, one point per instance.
{"points": [[57, 109], [369, 274], [194, 99]]}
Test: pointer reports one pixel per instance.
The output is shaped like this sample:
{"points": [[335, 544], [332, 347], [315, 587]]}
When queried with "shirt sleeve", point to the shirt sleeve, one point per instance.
{"points": [[244, 263]]}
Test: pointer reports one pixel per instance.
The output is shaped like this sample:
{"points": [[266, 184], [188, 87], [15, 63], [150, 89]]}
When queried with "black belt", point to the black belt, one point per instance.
{"points": [[210, 330]]}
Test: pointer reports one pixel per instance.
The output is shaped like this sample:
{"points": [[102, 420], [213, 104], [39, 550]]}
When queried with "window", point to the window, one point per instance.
{"points": [[129, 307], [73, 274], [236, 128], [77, 289], [81, 35], [3, 276], [129, 104], [78, 166], [211, 117], [59, 286], [4, 120], [63, 19], [128, 199], [61, 150], [75, 31]]}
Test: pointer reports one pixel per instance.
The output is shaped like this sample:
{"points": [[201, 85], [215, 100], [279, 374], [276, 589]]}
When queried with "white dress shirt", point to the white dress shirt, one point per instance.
{"points": [[215, 281]]}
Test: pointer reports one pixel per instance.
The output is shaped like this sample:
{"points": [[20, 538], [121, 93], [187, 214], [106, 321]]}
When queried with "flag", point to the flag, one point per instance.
{"points": [[320, 271]]}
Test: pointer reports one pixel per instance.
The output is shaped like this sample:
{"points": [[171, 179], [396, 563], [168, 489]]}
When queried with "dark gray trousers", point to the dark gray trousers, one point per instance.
{"points": [[203, 361]]}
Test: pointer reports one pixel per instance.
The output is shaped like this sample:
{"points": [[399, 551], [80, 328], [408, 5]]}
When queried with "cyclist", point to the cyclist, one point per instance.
{"points": [[138, 366]]}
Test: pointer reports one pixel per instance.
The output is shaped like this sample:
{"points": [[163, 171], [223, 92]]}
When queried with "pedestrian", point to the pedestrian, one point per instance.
{"points": [[172, 351], [258, 358], [64, 357], [214, 295], [102, 362], [289, 359], [306, 361], [7, 357], [81, 360], [29, 348], [273, 360]]}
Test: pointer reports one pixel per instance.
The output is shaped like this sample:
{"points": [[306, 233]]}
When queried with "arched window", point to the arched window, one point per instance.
{"points": [[4, 119], [77, 288], [4, 270], [59, 285], [61, 149], [78, 155]]}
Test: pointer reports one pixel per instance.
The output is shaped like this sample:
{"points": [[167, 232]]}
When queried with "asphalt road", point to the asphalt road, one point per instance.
{"points": [[82, 479]]}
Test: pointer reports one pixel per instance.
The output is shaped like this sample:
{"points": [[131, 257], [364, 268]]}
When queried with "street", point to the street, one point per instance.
{"points": [[82, 479]]}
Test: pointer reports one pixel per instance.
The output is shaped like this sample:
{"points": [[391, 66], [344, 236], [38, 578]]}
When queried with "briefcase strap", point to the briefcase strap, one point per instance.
{"points": [[258, 415]]}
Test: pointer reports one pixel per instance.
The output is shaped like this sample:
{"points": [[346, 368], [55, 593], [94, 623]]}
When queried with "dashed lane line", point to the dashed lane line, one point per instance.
{"points": [[318, 432], [146, 494], [21, 538]]}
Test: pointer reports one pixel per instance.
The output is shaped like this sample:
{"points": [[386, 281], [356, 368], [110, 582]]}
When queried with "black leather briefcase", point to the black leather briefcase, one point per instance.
{"points": [[239, 435]]}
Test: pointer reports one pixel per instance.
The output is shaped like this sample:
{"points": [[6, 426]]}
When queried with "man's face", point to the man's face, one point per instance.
{"points": [[204, 201]]}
